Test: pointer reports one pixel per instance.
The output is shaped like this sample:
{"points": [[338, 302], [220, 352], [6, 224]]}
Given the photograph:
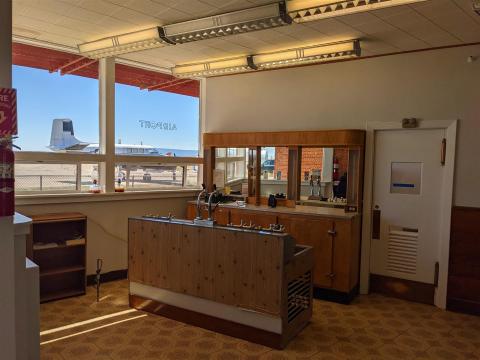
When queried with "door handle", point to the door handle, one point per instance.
{"points": [[376, 214]]}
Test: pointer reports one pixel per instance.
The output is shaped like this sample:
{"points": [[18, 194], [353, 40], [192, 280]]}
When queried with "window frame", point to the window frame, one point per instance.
{"points": [[107, 159]]}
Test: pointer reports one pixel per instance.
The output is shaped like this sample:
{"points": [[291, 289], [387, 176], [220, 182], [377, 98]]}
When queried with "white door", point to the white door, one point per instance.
{"points": [[408, 180]]}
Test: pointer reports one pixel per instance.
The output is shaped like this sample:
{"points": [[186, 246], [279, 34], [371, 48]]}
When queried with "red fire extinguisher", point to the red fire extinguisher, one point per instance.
{"points": [[336, 169], [7, 186]]}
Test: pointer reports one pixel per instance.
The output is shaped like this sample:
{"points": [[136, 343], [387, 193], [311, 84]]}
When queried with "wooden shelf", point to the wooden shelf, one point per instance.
{"points": [[60, 247], [63, 267], [50, 218], [61, 295], [62, 270]]}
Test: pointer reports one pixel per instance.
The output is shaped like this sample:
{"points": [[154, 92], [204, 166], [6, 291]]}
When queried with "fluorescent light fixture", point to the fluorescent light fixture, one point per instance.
{"points": [[242, 21], [291, 57], [308, 55], [216, 67], [125, 43], [309, 10]]}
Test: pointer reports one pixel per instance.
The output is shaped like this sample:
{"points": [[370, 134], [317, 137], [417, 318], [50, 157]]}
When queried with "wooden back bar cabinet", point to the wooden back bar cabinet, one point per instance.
{"points": [[335, 235]]}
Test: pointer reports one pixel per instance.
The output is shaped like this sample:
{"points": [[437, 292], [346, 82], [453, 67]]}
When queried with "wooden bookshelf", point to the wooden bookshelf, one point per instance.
{"points": [[62, 265]]}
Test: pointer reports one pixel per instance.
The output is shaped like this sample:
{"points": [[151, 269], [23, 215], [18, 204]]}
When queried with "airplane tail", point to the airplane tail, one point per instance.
{"points": [[63, 137]]}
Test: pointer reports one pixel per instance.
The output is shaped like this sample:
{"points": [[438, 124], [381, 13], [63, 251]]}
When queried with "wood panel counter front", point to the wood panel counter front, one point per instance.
{"points": [[255, 285], [333, 233]]}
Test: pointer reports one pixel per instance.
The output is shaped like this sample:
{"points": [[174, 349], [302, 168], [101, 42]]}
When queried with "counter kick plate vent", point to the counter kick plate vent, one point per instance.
{"points": [[402, 250], [299, 297]]}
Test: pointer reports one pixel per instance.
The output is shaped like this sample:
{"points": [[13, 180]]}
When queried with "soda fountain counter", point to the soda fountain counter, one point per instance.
{"points": [[254, 284]]}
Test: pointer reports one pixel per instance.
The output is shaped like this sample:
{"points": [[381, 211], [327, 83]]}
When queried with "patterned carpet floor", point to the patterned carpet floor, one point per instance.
{"points": [[373, 327]]}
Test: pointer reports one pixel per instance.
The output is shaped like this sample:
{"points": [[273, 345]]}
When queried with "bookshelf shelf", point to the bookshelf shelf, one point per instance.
{"points": [[62, 265]]}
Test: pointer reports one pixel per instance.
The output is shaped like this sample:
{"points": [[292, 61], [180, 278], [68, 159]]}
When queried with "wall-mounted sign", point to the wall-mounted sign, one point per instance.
{"points": [[406, 178], [158, 125], [8, 112]]}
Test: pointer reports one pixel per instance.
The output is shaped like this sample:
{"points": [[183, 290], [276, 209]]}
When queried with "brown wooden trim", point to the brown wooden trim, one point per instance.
{"points": [[320, 138], [208, 167], [208, 322], [56, 217], [402, 289], [258, 171], [463, 306], [360, 58], [294, 172], [463, 290]]}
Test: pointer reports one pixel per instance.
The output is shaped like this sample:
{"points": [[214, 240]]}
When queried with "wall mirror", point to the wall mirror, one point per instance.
{"points": [[323, 173], [231, 170], [274, 172], [318, 168]]}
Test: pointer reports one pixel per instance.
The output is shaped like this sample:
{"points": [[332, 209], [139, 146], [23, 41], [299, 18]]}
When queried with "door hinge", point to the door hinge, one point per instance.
{"points": [[435, 277], [443, 153]]}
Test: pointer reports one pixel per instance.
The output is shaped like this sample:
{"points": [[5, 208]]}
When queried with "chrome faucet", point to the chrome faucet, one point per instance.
{"points": [[212, 194], [199, 210]]}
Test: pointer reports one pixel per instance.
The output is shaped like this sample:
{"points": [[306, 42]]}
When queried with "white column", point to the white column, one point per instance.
{"points": [[106, 82], [7, 263]]}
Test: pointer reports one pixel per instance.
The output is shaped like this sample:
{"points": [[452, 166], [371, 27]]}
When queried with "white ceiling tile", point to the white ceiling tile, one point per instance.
{"points": [[69, 22]]}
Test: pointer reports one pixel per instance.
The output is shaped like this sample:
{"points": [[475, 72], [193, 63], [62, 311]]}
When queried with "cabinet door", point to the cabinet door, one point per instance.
{"points": [[258, 218], [314, 232], [346, 253]]}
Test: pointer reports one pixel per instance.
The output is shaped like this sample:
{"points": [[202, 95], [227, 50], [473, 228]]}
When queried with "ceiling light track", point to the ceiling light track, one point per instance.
{"points": [[310, 10], [284, 58]]}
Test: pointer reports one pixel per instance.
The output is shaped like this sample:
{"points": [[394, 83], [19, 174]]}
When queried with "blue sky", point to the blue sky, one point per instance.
{"points": [[43, 96]]}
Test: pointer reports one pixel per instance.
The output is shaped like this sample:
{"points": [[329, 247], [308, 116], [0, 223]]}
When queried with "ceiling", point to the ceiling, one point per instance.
{"points": [[422, 25]]}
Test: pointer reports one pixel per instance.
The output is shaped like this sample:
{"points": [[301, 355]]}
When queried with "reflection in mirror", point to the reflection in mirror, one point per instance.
{"points": [[230, 174], [274, 171], [324, 176]]}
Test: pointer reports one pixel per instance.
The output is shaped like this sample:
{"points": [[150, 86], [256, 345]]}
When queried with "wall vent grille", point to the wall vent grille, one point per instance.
{"points": [[299, 295], [402, 250]]}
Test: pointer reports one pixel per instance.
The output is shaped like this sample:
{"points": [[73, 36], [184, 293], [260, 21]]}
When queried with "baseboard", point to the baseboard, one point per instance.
{"points": [[403, 289], [463, 306], [107, 277], [334, 295], [208, 322]]}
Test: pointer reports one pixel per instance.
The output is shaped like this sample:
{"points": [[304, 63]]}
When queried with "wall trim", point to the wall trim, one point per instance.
{"points": [[114, 275], [450, 127]]}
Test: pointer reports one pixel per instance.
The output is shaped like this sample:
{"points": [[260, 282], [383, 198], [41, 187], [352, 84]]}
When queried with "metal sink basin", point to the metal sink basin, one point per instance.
{"points": [[204, 222]]}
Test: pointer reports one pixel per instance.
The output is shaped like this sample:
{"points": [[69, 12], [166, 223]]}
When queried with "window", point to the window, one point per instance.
{"points": [[156, 148], [55, 112], [155, 123]]}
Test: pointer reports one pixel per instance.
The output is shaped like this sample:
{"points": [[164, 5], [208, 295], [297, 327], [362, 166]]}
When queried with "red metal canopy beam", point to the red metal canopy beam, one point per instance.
{"points": [[53, 60]]}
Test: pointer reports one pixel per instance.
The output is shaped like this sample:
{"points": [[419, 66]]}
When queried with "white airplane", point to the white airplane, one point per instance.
{"points": [[63, 139]]}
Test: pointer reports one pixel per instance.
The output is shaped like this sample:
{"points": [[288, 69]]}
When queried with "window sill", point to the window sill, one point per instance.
{"points": [[39, 199]]}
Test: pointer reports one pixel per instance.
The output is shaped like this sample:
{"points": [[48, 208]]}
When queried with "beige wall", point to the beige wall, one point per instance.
{"points": [[432, 85], [107, 229]]}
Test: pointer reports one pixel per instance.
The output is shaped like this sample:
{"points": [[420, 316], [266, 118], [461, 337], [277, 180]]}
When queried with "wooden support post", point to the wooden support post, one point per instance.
{"points": [[294, 178], [258, 172], [208, 167]]}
